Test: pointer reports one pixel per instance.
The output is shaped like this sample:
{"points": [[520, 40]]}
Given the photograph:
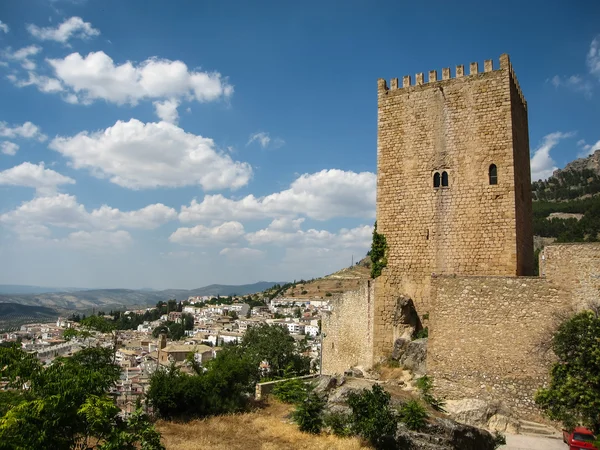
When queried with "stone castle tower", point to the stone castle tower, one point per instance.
{"points": [[454, 203], [453, 182], [453, 173]]}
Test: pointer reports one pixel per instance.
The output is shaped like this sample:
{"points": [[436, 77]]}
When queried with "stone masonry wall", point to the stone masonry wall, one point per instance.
{"points": [[347, 331], [576, 267], [485, 337]]}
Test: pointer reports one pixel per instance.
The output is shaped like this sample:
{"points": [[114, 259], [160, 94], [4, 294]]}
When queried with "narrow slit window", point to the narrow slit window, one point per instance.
{"points": [[436, 180], [444, 179], [493, 174]]}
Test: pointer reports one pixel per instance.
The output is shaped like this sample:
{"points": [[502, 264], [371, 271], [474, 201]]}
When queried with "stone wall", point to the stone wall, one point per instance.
{"points": [[348, 331], [487, 336], [576, 267]]}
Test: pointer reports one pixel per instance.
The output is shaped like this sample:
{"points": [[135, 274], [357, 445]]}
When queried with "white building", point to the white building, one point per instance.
{"points": [[311, 330]]}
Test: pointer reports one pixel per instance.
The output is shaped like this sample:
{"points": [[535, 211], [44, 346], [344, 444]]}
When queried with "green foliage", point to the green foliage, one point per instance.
{"points": [[309, 413], [499, 439], [573, 396], [422, 333], [378, 253], [274, 344], [425, 385], [373, 418], [413, 414], [223, 387], [565, 193], [293, 390], [339, 424], [98, 323], [327, 294], [173, 330], [65, 404]]}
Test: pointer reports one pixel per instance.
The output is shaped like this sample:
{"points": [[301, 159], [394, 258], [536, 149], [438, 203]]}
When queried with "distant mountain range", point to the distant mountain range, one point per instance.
{"points": [[106, 299], [6, 289]]}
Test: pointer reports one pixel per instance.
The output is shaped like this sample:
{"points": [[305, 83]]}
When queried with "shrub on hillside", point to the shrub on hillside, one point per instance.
{"points": [[425, 385], [373, 418], [339, 424], [309, 413], [293, 390], [413, 414]]}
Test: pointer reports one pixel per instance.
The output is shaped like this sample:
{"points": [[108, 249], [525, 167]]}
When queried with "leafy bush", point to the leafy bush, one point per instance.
{"points": [[378, 253], [66, 404], [373, 417], [573, 396], [293, 390], [309, 414], [413, 414], [425, 385], [327, 294], [499, 439], [340, 424], [224, 387]]}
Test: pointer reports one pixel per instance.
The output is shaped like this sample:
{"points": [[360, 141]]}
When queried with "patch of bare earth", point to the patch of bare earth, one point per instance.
{"points": [[264, 429]]}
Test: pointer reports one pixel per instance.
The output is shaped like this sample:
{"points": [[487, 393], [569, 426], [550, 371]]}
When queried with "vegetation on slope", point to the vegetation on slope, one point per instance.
{"points": [[568, 192]]}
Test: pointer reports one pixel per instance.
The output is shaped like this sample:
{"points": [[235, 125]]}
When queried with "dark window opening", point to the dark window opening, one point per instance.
{"points": [[444, 179], [436, 180], [493, 173]]}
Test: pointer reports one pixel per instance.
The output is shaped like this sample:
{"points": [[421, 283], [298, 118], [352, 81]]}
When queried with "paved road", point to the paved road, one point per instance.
{"points": [[520, 442]]}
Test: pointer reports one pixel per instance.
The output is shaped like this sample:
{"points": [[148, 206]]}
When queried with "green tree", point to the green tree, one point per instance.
{"points": [[274, 344], [66, 404], [573, 396]]}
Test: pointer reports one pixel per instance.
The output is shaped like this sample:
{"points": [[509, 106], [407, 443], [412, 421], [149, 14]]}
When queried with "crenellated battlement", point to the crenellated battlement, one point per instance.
{"points": [[488, 66]]}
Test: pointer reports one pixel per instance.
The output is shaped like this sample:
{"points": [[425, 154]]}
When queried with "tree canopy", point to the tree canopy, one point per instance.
{"points": [[65, 404], [573, 396]]}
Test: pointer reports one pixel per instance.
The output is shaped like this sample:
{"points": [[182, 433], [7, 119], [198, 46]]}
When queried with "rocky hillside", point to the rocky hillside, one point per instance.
{"points": [[347, 279], [567, 205]]}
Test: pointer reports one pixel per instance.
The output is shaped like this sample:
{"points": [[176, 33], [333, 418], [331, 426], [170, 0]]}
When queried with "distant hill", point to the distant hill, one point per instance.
{"points": [[566, 206], [6, 289], [107, 299], [13, 314]]}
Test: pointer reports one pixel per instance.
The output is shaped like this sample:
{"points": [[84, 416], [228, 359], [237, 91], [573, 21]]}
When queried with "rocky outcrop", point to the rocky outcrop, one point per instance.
{"points": [[591, 162], [480, 413], [445, 434], [438, 434], [411, 355]]}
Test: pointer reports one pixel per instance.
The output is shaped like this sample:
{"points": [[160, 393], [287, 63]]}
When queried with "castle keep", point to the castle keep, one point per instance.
{"points": [[454, 203]]}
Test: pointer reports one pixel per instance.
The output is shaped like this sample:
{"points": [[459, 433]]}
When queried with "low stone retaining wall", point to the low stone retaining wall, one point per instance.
{"points": [[264, 389]]}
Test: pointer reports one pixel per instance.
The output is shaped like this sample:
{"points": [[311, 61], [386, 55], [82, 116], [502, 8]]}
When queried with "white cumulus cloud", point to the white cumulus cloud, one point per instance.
{"points": [[96, 77], [9, 148], [98, 240], [275, 234], [26, 131], [44, 181], [242, 253], [73, 27], [574, 82], [167, 110], [23, 56], [322, 196], [542, 164], [3, 27], [139, 155], [63, 211], [202, 235]]}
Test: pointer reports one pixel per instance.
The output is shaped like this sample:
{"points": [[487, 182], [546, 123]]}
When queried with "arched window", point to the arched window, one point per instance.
{"points": [[436, 180], [493, 174], [444, 179]]}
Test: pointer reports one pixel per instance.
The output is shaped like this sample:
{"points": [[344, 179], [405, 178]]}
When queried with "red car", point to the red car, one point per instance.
{"points": [[579, 438]]}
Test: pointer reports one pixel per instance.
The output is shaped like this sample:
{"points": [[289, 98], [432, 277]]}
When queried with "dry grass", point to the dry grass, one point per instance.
{"points": [[348, 279], [264, 429]]}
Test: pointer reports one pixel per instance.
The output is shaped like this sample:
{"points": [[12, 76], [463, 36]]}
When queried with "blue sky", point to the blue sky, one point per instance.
{"points": [[177, 144]]}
